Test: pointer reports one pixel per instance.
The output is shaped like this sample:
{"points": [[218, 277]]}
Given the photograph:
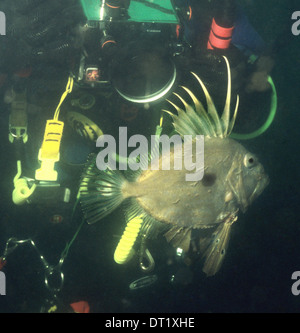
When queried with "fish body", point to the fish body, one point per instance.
{"points": [[168, 197], [232, 179]]}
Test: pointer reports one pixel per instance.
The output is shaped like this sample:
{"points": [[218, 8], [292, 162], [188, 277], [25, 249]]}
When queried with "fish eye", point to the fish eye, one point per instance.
{"points": [[249, 160]]}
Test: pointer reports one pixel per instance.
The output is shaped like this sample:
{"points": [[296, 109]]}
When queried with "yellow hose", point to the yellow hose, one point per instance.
{"points": [[68, 90], [124, 250]]}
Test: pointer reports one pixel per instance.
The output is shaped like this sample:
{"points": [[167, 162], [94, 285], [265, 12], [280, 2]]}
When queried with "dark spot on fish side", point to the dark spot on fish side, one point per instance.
{"points": [[209, 179]]}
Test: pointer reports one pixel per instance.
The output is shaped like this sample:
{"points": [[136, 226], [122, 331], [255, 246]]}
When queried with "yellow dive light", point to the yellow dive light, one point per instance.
{"points": [[124, 250]]}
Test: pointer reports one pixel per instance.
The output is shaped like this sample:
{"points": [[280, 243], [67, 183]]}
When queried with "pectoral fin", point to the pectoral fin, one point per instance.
{"points": [[216, 246]]}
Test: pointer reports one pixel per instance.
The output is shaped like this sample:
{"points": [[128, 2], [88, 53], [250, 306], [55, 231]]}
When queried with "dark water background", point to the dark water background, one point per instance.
{"points": [[265, 244]]}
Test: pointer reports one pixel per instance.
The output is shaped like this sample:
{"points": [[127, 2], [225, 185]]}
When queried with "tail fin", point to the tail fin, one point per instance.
{"points": [[100, 191]]}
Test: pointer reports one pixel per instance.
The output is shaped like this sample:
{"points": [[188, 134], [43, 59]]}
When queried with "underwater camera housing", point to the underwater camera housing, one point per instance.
{"points": [[116, 28]]}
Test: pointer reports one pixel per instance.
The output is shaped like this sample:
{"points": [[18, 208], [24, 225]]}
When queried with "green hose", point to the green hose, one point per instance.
{"points": [[267, 123], [66, 249]]}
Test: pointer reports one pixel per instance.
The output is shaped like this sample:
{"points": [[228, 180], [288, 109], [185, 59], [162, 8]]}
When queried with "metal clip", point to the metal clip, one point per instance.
{"points": [[50, 271], [145, 254]]}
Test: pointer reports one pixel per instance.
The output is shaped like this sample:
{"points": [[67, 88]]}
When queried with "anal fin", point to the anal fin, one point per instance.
{"points": [[179, 237]]}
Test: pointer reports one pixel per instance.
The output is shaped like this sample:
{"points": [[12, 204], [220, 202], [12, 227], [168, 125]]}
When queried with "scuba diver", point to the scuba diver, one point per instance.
{"points": [[219, 28], [109, 53], [123, 64]]}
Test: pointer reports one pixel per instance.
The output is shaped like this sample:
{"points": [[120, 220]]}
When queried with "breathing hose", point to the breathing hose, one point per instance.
{"points": [[268, 122]]}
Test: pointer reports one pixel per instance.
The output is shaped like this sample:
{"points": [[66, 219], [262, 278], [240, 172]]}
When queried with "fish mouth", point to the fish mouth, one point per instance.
{"points": [[262, 183]]}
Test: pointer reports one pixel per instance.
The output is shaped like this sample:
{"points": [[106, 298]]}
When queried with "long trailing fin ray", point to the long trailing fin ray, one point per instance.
{"points": [[197, 120], [186, 119], [189, 122], [180, 124], [181, 127], [198, 105], [211, 109], [202, 124], [226, 112], [201, 113], [186, 116], [232, 121], [182, 100]]}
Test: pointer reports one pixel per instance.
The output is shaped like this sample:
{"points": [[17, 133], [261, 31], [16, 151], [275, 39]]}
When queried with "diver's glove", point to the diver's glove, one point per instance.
{"points": [[258, 80]]}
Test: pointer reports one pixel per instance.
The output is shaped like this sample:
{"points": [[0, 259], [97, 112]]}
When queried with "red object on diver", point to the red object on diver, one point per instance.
{"points": [[219, 37], [24, 72], [2, 263], [56, 218], [80, 307], [128, 112]]}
